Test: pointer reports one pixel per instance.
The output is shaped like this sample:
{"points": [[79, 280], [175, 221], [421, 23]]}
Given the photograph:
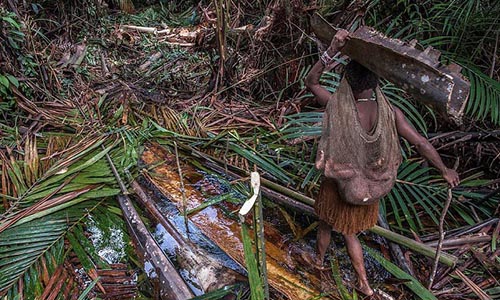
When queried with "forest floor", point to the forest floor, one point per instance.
{"points": [[134, 71]]}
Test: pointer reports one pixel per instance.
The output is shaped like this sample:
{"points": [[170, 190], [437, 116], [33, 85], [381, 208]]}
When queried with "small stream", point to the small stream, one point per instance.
{"points": [[376, 272], [168, 244], [111, 249]]}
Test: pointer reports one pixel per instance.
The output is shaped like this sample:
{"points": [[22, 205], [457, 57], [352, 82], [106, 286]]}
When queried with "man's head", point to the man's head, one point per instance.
{"points": [[359, 77]]}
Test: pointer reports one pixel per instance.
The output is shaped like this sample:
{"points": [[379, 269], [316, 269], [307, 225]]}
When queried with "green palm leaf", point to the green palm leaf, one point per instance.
{"points": [[484, 99], [395, 96], [416, 190], [15, 263], [65, 190], [301, 125], [411, 282], [24, 245]]}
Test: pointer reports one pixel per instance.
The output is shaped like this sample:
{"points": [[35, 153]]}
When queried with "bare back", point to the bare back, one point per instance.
{"points": [[367, 114]]}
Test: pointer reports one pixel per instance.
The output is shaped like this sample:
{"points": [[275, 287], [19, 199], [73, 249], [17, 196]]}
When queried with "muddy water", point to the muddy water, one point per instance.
{"points": [[286, 274], [170, 246]]}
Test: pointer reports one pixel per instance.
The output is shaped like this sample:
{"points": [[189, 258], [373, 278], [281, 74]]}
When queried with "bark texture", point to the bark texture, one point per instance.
{"points": [[418, 72]]}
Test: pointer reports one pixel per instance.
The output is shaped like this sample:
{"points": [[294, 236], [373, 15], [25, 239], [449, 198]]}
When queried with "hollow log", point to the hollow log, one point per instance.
{"points": [[417, 72], [305, 204]]}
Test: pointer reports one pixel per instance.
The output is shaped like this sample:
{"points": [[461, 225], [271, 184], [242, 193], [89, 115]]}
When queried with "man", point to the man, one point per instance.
{"points": [[359, 155]]}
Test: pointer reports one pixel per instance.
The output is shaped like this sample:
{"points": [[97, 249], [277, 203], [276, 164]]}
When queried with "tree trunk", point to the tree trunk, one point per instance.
{"points": [[171, 284]]}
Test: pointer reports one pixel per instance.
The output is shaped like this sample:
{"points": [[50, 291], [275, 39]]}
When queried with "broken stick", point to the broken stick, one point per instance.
{"points": [[441, 238]]}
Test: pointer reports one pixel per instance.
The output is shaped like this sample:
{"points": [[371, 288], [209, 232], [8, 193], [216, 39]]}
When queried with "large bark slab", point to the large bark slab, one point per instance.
{"points": [[418, 72]]}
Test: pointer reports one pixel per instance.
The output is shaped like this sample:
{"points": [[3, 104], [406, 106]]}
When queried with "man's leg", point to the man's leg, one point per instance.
{"points": [[322, 241], [356, 253]]}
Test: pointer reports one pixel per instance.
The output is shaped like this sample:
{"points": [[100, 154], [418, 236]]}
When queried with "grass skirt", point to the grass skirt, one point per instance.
{"points": [[342, 216]]}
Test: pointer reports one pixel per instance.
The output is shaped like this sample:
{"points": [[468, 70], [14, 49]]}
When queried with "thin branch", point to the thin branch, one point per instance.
{"points": [[494, 57], [183, 191], [441, 238]]}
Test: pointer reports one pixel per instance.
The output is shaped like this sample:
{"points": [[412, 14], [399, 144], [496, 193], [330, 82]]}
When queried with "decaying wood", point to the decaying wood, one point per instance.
{"points": [[225, 232], [210, 273], [171, 284], [417, 72], [151, 60], [304, 204]]}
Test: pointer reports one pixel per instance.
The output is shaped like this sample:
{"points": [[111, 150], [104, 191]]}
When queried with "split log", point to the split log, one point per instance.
{"points": [[171, 284], [417, 72], [210, 273], [225, 232], [304, 204]]}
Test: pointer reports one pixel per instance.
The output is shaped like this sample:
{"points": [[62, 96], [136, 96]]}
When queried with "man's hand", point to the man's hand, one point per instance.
{"points": [[451, 176], [339, 40]]}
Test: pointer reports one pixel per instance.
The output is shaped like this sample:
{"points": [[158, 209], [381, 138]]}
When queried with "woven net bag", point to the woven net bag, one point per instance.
{"points": [[364, 164]]}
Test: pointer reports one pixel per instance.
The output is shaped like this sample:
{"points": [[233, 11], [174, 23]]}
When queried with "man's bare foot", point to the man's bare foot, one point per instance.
{"points": [[364, 287]]}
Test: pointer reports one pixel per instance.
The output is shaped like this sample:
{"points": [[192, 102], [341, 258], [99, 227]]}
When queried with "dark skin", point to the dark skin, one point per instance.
{"points": [[367, 112]]}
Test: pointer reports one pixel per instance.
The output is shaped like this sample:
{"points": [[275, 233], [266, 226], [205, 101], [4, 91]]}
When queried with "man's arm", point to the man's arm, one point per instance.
{"points": [[312, 79], [424, 148]]}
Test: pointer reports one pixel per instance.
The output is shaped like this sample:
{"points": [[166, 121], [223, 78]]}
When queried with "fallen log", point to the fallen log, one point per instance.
{"points": [[417, 72], [210, 273], [304, 204], [172, 286], [460, 241], [225, 232]]}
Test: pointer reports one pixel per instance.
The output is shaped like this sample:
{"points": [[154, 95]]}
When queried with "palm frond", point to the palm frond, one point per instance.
{"points": [[418, 198], [484, 99], [409, 108], [411, 282], [301, 125], [50, 197], [264, 162], [23, 246]]}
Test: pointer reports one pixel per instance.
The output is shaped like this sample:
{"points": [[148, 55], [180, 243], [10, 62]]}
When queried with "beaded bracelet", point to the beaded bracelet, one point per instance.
{"points": [[326, 59]]}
